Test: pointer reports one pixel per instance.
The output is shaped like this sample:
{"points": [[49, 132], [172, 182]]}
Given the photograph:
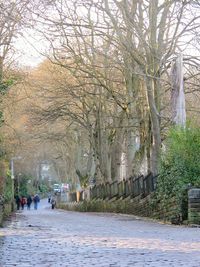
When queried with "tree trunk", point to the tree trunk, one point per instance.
{"points": [[177, 93], [155, 126]]}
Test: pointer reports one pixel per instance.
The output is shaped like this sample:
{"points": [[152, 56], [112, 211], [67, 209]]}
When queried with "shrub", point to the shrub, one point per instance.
{"points": [[179, 167]]}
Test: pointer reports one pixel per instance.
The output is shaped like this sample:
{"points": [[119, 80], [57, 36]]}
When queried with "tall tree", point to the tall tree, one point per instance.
{"points": [[120, 50]]}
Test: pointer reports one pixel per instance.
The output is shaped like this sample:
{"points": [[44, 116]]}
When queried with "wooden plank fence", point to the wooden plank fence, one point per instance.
{"points": [[132, 187]]}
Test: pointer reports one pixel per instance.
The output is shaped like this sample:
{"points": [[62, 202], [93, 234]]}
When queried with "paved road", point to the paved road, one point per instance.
{"points": [[60, 238]]}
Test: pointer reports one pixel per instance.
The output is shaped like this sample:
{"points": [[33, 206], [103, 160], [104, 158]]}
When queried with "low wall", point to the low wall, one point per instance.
{"points": [[132, 196], [1, 214], [138, 206], [194, 206], [5, 211]]}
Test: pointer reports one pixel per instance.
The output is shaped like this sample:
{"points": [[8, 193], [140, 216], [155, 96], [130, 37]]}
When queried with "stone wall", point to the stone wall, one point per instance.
{"points": [[139, 206], [132, 196], [194, 206], [5, 211], [1, 214]]}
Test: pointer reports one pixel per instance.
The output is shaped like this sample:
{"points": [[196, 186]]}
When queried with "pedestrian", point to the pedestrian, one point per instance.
{"points": [[36, 200], [53, 203], [23, 202], [29, 201], [49, 197], [18, 202]]}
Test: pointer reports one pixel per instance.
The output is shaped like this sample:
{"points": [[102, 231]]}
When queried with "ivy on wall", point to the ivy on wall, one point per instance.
{"points": [[179, 168]]}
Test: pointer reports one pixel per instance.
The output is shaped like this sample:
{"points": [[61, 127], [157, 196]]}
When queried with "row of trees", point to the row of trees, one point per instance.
{"points": [[12, 15], [111, 79], [15, 19], [102, 103]]}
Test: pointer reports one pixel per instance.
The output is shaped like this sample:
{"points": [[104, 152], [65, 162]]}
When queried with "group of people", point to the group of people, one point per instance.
{"points": [[22, 201]]}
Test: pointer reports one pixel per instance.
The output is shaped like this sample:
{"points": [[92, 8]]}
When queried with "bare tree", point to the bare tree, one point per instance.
{"points": [[118, 53]]}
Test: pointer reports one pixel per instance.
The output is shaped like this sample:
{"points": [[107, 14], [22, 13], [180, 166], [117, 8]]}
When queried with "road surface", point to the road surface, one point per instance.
{"points": [[47, 237]]}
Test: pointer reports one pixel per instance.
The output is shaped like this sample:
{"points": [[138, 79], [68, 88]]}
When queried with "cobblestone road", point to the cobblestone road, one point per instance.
{"points": [[59, 238]]}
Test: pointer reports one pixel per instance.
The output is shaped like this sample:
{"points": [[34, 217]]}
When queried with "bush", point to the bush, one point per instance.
{"points": [[179, 167], [7, 193]]}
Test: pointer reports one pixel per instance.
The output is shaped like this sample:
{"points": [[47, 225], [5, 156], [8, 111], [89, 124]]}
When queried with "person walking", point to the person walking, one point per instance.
{"points": [[36, 200], [49, 197], [29, 201], [23, 202], [18, 201], [53, 202]]}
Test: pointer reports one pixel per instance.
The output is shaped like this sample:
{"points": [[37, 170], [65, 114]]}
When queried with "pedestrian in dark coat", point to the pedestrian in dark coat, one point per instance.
{"points": [[29, 201], [18, 201], [36, 200], [49, 197], [53, 203]]}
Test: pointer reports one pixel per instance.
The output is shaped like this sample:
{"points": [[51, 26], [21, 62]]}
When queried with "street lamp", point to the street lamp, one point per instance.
{"points": [[18, 182], [13, 177]]}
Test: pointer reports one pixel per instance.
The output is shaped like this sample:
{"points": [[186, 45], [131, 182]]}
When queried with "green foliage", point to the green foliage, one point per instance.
{"points": [[7, 193], [43, 188], [4, 85], [29, 186], [1, 118], [84, 179], [112, 136], [23, 185], [179, 167]]}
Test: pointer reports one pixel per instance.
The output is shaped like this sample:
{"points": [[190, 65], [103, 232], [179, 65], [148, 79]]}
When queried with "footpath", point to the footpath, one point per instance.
{"points": [[47, 237]]}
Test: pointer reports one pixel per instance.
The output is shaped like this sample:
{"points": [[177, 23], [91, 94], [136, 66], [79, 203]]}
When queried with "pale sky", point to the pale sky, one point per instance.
{"points": [[29, 48], [30, 45]]}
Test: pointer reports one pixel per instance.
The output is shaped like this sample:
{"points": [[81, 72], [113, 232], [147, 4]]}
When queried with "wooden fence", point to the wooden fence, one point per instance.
{"points": [[132, 187]]}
